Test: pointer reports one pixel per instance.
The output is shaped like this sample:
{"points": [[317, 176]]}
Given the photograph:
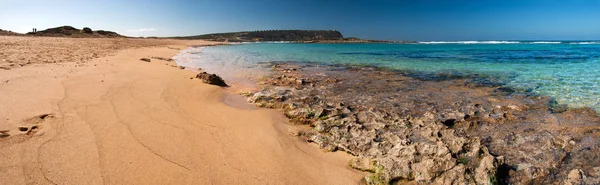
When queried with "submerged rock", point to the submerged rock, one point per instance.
{"points": [[212, 79]]}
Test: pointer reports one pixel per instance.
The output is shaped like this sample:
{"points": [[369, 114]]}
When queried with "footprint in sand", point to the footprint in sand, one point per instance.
{"points": [[29, 130], [34, 123], [4, 133], [30, 126]]}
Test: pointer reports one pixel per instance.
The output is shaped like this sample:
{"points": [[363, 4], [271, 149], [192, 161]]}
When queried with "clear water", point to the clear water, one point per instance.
{"points": [[567, 71]]}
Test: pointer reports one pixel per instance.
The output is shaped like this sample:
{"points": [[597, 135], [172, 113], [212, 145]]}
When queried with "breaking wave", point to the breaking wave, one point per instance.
{"points": [[584, 43], [546, 42], [470, 42]]}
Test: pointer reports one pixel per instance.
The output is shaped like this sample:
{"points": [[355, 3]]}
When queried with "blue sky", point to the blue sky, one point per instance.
{"points": [[371, 19]]}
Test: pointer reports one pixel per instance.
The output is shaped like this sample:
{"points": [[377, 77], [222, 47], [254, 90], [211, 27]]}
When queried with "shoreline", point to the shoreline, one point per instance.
{"points": [[117, 119], [468, 79], [306, 100], [546, 79]]}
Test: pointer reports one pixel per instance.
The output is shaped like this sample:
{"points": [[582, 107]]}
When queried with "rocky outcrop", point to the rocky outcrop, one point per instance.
{"points": [[418, 149], [434, 132], [212, 79]]}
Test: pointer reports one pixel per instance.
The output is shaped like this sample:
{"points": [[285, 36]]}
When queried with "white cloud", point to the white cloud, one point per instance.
{"points": [[142, 30]]}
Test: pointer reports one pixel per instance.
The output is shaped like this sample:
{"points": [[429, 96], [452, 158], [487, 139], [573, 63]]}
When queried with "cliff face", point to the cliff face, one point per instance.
{"points": [[272, 35], [68, 31]]}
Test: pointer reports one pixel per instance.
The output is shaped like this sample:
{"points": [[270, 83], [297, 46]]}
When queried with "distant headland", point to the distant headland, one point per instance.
{"points": [[303, 36]]}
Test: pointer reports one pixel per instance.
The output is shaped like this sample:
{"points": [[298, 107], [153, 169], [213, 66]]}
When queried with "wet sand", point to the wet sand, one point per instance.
{"points": [[118, 120]]}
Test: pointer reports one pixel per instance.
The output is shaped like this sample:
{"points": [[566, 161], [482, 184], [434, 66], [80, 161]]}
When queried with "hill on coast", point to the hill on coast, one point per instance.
{"points": [[69, 31], [270, 35], [7, 33]]}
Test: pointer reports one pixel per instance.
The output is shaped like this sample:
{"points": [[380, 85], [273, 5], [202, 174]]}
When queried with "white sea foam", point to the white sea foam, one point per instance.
{"points": [[546, 42], [276, 42], [470, 42], [585, 43], [505, 42], [270, 42]]}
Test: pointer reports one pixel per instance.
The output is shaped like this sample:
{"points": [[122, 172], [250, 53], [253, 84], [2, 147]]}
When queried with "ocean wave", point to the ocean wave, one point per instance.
{"points": [[269, 42], [470, 42], [584, 43], [508, 42], [275, 42], [546, 42]]}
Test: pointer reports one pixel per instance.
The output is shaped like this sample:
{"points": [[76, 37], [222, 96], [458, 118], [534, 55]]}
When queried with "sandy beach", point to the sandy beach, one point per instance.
{"points": [[300, 92], [88, 111]]}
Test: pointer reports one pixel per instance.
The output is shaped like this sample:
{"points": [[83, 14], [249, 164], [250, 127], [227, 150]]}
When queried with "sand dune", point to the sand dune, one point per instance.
{"points": [[118, 120]]}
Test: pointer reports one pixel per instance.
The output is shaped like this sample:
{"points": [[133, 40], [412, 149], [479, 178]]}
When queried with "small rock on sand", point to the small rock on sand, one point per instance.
{"points": [[212, 79]]}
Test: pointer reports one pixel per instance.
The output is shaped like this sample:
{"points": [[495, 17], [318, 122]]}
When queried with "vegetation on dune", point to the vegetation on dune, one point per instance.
{"points": [[69, 31], [7, 33]]}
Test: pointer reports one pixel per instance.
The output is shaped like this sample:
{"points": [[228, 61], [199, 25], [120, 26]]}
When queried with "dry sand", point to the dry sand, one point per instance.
{"points": [[118, 120], [22, 51]]}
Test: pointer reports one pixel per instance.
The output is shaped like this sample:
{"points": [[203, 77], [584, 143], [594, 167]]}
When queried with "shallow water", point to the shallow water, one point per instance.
{"points": [[567, 71]]}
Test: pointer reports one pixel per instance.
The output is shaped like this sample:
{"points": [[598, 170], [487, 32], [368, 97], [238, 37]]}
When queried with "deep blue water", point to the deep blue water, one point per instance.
{"points": [[567, 71]]}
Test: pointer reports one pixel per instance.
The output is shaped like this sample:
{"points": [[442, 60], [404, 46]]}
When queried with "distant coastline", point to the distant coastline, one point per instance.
{"points": [[284, 36], [294, 36]]}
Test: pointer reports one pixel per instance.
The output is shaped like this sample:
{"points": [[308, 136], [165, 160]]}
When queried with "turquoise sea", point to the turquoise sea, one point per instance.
{"points": [[568, 71]]}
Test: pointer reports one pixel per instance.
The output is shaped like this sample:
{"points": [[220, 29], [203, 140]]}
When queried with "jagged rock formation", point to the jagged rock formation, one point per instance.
{"points": [[453, 131], [68, 31], [271, 35]]}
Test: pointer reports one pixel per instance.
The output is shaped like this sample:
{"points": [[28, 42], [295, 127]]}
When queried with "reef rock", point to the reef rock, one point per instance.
{"points": [[402, 129], [212, 79]]}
